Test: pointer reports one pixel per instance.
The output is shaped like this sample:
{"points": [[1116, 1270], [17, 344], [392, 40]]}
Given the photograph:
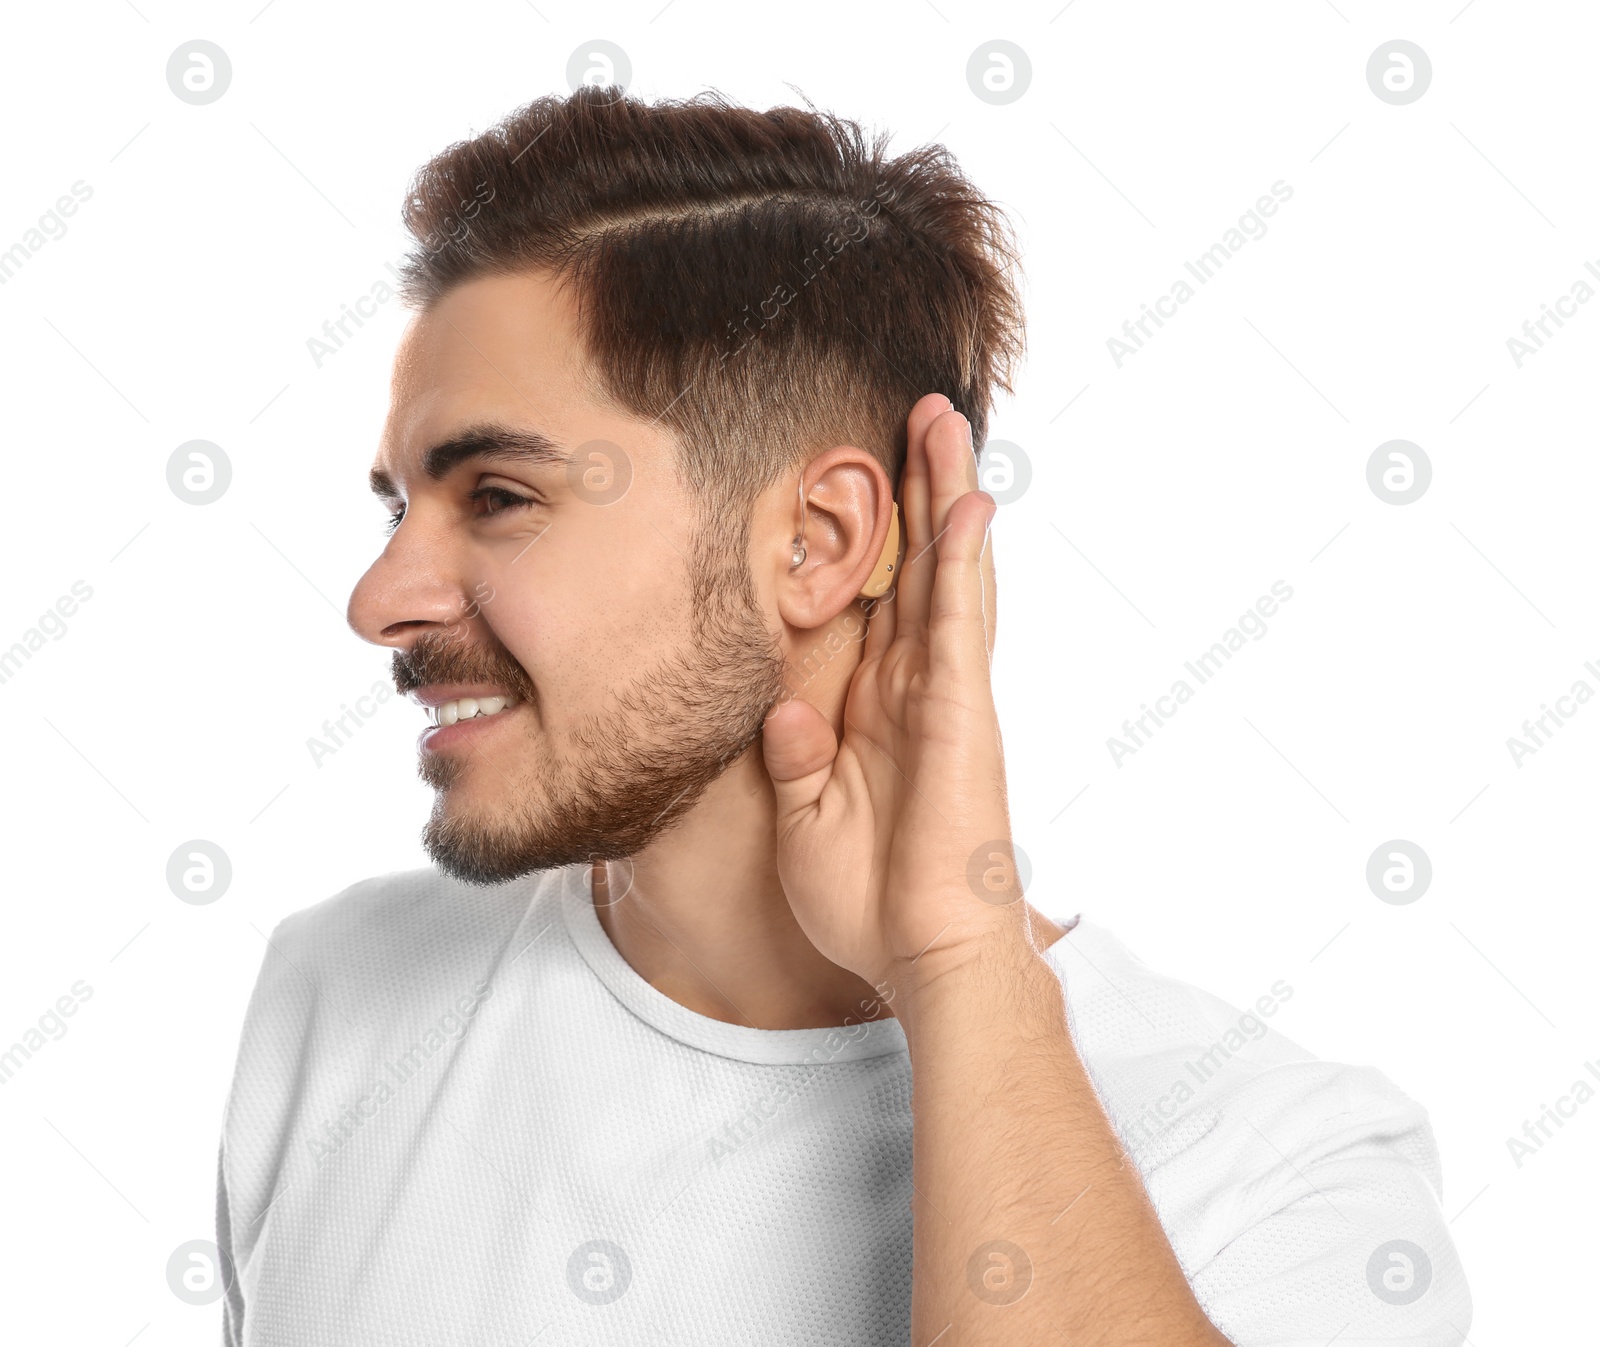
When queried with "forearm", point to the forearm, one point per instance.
{"points": [[1030, 1223]]}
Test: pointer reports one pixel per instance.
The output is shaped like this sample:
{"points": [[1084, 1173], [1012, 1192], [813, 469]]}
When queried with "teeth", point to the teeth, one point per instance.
{"points": [[466, 708]]}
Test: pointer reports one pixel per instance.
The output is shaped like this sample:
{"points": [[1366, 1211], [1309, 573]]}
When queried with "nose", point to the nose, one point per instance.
{"points": [[413, 587]]}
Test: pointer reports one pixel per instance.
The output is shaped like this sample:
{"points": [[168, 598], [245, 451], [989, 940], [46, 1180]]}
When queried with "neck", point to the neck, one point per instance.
{"points": [[703, 918]]}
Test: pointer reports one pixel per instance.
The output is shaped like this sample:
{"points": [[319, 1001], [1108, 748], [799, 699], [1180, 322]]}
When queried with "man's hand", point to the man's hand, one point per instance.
{"points": [[893, 845], [893, 839]]}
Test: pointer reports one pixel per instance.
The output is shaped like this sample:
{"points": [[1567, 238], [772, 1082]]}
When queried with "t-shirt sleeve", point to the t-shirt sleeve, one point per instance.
{"points": [[259, 1101], [1301, 1196], [233, 1298], [1331, 1226]]}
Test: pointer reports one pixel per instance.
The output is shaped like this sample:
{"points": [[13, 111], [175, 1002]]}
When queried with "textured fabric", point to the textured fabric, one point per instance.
{"points": [[459, 1117]]}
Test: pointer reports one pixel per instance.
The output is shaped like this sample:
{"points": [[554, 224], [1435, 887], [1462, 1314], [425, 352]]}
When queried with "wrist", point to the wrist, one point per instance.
{"points": [[980, 972]]}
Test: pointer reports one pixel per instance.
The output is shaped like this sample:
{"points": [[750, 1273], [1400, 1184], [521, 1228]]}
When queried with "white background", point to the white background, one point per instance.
{"points": [[1167, 495]]}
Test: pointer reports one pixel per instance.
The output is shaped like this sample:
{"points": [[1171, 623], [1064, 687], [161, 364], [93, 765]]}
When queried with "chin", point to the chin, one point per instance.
{"points": [[474, 851], [494, 841]]}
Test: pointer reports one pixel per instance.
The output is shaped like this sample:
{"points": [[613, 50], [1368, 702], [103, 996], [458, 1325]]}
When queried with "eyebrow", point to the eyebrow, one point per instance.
{"points": [[496, 443]]}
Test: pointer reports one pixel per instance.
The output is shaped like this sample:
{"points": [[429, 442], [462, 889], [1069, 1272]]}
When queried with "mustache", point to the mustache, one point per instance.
{"points": [[440, 659]]}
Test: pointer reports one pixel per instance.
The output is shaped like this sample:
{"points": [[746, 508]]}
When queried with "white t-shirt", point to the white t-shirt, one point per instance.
{"points": [[459, 1116]]}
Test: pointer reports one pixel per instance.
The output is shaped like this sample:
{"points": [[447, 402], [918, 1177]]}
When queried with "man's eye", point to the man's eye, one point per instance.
{"points": [[497, 500], [394, 520]]}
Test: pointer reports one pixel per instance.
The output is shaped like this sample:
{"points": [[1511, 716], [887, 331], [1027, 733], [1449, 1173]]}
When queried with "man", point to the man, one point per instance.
{"points": [[726, 913]]}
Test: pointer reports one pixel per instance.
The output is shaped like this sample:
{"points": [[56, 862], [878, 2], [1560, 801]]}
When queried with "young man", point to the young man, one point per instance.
{"points": [[722, 1018]]}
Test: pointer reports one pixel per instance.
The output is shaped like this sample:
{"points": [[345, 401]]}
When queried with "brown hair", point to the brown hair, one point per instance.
{"points": [[766, 284]]}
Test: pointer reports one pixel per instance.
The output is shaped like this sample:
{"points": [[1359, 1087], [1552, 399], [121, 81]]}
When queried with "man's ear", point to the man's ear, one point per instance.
{"points": [[848, 516]]}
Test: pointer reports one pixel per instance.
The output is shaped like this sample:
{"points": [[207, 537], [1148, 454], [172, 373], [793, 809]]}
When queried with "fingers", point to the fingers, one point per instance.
{"points": [[799, 747], [991, 612], [882, 624], [948, 574], [952, 466], [961, 614], [915, 584]]}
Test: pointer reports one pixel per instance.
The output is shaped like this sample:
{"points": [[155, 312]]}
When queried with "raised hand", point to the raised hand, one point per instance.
{"points": [[893, 838]]}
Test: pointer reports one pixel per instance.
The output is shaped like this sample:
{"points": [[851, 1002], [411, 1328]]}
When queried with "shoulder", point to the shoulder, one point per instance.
{"points": [[1173, 1061], [1183, 1072], [344, 985], [1285, 1182], [343, 977], [401, 905], [392, 927]]}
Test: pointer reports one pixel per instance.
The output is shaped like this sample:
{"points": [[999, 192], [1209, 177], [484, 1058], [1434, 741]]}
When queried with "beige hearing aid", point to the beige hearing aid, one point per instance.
{"points": [[883, 574]]}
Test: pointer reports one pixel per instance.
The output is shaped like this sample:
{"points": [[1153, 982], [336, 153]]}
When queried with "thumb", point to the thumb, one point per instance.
{"points": [[799, 747]]}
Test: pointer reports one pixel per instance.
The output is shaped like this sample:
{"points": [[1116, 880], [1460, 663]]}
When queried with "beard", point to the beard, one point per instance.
{"points": [[630, 773]]}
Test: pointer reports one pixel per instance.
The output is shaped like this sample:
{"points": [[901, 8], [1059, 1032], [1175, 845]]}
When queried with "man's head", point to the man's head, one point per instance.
{"points": [[638, 328]]}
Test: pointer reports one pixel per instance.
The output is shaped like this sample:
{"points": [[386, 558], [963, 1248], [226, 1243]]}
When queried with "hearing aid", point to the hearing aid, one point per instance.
{"points": [[883, 574]]}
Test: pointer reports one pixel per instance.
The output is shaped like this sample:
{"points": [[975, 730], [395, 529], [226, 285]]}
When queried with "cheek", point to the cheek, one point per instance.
{"points": [[579, 628]]}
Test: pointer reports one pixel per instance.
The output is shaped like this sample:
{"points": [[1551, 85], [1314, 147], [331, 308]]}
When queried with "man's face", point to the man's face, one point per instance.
{"points": [[546, 563]]}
